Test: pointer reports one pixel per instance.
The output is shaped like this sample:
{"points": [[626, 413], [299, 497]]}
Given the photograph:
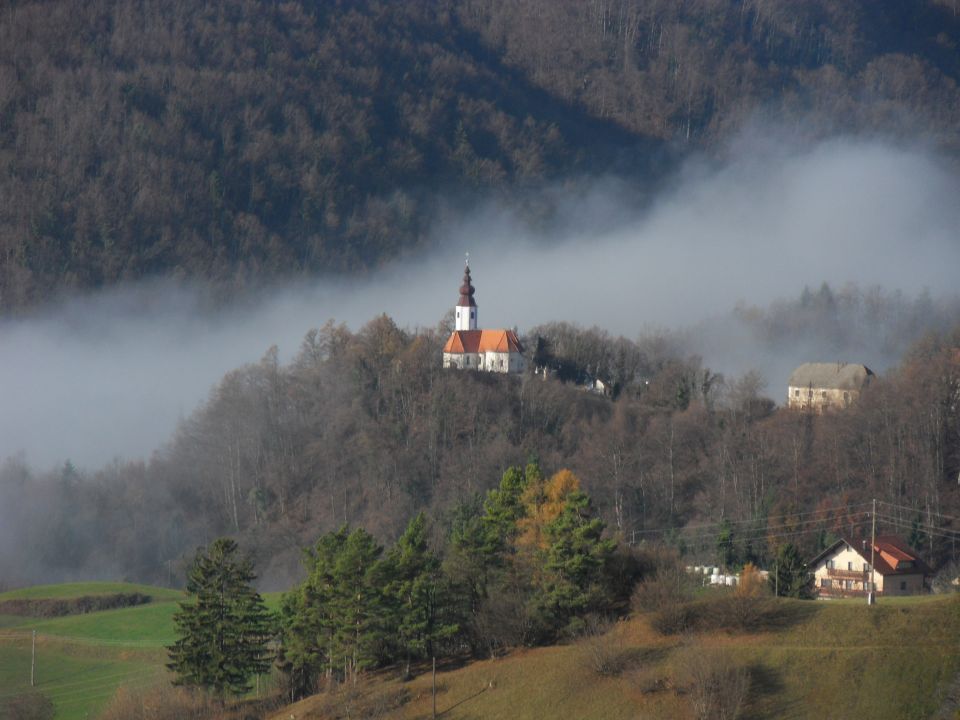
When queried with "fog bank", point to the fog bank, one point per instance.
{"points": [[109, 375]]}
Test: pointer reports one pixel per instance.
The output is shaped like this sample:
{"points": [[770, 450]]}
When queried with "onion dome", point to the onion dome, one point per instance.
{"points": [[466, 290]]}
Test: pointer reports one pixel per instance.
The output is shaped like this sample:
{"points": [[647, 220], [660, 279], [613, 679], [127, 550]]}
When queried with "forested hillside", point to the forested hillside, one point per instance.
{"points": [[243, 142], [365, 428]]}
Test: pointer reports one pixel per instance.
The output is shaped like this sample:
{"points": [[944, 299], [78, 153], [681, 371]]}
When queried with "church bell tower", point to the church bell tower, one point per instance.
{"points": [[466, 311]]}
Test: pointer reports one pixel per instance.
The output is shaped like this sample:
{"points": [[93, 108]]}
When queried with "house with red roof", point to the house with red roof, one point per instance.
{"points": [[843, 569], [471, 348]]}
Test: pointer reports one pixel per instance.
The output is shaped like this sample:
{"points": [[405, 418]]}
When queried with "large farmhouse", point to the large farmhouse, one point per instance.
{"points": [[819, 386], [843, 569], [470, 348]]}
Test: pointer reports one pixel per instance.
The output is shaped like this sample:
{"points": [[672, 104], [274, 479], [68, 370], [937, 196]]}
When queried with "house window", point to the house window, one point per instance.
{"points": [[831, 564], [866, 567], [473, 314], [796, 393], [850, 566], [826, 582], [903, 584]]}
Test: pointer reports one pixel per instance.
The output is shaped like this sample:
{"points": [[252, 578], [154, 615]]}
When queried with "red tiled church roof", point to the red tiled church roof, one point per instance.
{"points": [[480, 341]]}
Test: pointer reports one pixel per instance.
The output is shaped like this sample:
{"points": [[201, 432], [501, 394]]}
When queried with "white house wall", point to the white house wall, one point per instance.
{"points": [[851, 571]]}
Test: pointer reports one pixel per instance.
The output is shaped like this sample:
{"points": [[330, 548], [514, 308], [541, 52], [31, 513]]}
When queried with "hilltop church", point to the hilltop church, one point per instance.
{"points": [[469, 348]]}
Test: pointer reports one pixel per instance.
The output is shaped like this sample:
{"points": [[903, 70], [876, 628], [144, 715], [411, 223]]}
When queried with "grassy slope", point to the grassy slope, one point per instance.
{"points": [[832, 660], [83, 659]]}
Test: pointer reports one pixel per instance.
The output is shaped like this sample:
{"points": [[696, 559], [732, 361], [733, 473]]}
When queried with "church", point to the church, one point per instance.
{"points": [[470, 348]]}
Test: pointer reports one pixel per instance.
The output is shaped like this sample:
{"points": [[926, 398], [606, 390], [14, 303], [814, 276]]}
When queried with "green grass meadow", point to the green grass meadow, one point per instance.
{"points": [[81, 660]]}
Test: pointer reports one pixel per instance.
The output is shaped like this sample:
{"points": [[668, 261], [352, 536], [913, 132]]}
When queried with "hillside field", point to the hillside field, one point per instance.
{"points": [[824, 660], [83, 659], [835, 659]]}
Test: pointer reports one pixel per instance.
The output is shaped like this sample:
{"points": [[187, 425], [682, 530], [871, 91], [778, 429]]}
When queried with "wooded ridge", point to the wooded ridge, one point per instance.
{"points": [[365, 428], [244, 142]]}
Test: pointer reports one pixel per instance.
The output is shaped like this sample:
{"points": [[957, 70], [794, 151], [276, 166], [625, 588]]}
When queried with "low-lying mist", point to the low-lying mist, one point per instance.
{"points": [[110, 375]]}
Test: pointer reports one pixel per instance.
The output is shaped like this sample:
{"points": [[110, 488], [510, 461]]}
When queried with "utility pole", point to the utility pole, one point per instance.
{"points": [[776, 579], [871, 596], [434, 716], [33, 658]]}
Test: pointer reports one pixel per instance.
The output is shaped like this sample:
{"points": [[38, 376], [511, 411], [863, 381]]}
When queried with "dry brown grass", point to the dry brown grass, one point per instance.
{"points": [[163, 702]]}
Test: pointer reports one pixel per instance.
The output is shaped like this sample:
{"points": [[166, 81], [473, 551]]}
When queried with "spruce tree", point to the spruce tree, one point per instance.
{"points": [[307, 621], [224, 628], [791, 577], [356, 604], [418, 594], [575, 564]]}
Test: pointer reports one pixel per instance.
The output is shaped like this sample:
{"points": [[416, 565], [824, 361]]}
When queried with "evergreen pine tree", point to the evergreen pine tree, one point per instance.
{"points": [[307, 622], [418, 594], [356, 604], [224, 630], [791, 578], [575, 564]]}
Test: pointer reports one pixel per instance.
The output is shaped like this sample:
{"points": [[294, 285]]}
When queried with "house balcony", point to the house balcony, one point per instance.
{"points": [[858, 575]]}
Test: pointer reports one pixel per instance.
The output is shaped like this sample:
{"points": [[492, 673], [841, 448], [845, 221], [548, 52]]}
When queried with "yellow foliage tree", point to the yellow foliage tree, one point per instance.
{"points": [[751, 582], [543, 501]]}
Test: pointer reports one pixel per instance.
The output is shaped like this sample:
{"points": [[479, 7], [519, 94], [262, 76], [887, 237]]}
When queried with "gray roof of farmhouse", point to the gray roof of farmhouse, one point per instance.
{"points": [[837, 376]]}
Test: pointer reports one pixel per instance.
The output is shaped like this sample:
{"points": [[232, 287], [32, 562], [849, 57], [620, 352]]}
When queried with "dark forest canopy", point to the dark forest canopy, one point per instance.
{"points": [[366, 428], [245, 141]]}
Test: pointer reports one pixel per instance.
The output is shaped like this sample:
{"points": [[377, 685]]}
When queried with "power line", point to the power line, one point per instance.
{"points": [[824, 511], [949, 534], [762, 534], [917, 510]]}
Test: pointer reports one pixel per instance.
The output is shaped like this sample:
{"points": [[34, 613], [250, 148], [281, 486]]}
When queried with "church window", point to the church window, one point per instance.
{"points": [[796, 393]]}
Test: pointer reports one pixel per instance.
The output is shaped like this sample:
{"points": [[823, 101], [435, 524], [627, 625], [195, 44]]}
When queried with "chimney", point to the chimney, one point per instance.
{"points": [[866, 546]]}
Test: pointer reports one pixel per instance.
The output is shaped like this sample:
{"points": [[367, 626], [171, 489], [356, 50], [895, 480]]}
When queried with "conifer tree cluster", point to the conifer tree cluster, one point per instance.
{"points": [[225, 628], [524, 565]]}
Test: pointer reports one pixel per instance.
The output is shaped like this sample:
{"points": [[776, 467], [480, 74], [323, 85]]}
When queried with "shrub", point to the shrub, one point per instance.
{"points": [[58, 607], [666, 591], [160, 703], [666, 583], [716, 687], [29, 706], [674, 620], [603, 650]]}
